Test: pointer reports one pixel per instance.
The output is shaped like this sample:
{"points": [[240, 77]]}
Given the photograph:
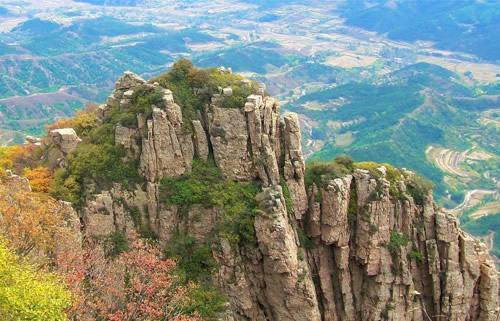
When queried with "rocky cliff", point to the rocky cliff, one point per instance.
{"points": [[328, 244]]}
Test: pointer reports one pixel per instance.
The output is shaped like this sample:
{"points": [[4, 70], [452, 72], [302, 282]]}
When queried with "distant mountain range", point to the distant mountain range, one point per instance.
{"points": [[467, 26]]}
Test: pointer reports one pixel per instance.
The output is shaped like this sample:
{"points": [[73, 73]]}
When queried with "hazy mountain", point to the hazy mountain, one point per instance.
{"points": [[469, 26]]}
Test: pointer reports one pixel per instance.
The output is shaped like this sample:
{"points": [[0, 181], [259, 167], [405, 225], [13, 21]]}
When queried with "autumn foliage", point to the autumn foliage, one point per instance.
{"points": [[28, 294], [17, 158], [108, 282], [31, 222], [82, 122], [134, 285], [40, 179]]}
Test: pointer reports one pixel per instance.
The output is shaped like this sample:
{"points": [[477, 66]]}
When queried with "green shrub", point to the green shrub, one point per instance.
{"points": [[66, 187], [194, 260], [239, 97], [203, 300], [304, 240], [205, 185], [416, 255], [393, 175], [193, 187], [287, 196], [101, 164], [418, 187], [319, 172], [103, 134], [182, 79], [144, 97], [396, 241], [116, 244]]}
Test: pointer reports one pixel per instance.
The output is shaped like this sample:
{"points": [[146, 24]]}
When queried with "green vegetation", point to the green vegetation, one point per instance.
{"points": [[116, 244], [143, 99], [183, 78], [97, 159], [97, 163], [393, 175], [27, 294], [304, 240], [205, 301], [418, 187], [320, 172], [416, 255], [287, 196], [194, 260], [396, 241], [205, 185]]}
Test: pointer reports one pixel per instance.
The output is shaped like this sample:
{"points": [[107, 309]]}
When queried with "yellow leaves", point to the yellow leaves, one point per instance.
{"points": [[10, 155], [16, 158], [30, 220], [82, 122], [26, 294], [40, 179]]}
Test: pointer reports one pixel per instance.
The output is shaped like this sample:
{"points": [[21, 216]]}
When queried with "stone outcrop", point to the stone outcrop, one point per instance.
{"points": [[65, 139], [345, 250], [165, 151]]}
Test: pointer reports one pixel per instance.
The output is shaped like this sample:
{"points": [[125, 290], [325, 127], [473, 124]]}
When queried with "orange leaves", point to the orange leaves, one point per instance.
{"points": [[40, 179], [30, 220]]}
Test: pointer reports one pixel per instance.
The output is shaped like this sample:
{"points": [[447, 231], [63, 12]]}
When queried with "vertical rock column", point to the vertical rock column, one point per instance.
{"points": [[294, 166], [289, 288], [167, 151]]}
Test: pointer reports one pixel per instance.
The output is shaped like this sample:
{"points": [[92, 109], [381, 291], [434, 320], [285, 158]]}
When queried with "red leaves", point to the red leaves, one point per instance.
{"points": [[135, 285]]}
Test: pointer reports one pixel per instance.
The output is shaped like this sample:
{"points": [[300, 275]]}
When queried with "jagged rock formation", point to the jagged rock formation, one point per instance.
{"points": [[367, 256]]}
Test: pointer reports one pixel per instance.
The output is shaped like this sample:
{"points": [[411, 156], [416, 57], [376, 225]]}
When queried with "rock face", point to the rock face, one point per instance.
{"points": [[65, 139], [344, 251]]}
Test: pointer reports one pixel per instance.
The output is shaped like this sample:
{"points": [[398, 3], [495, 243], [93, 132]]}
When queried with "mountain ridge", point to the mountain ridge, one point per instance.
{"points": [[203, 155]]}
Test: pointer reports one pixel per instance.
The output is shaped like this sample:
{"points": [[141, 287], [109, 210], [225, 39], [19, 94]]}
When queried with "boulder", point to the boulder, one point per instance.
{"points": [[65, 139]]}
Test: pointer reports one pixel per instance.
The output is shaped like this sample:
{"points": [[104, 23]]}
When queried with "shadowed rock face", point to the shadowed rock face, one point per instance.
{"points": [[346, 269]]}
